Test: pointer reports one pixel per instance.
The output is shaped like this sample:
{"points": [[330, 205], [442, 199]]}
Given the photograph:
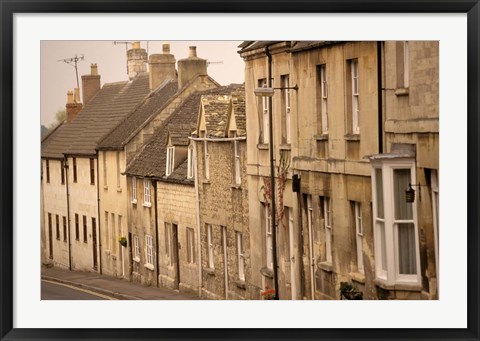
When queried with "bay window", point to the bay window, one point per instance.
{"points": [[397, 258]]}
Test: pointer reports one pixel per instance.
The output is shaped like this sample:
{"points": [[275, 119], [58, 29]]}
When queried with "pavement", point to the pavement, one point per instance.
{"points": [[111, 286]]}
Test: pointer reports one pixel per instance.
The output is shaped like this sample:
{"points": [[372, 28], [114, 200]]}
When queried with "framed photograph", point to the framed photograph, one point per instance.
{"points": [[411, 264]]}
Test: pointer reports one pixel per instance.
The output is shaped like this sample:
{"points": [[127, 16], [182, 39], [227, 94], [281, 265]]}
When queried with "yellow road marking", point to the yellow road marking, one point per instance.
{"points": [[81, 289]]}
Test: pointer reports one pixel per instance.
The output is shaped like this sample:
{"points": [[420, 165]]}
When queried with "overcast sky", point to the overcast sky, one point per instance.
{"points": [[58, 77]]}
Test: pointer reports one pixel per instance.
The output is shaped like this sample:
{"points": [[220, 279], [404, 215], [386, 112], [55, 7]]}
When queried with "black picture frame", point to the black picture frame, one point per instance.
{"points": [[10, 7]]}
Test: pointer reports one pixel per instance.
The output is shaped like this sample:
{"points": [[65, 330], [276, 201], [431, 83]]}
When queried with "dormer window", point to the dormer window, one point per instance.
{"points": [[170, 160]]}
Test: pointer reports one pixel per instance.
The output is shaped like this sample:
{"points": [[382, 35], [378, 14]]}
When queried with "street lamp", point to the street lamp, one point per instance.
{"points": [[269, 92]]}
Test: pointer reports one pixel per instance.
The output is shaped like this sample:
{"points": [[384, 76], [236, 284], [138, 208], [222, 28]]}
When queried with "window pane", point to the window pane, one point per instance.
{"points": [[379, 192], [406, 249], [383, 248], [401, 180]]}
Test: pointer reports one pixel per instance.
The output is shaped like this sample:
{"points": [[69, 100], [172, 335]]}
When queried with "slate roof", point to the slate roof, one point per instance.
{"points": [[217, 110], [179, 133], [105, 110], [150, 161], [155, 102]]}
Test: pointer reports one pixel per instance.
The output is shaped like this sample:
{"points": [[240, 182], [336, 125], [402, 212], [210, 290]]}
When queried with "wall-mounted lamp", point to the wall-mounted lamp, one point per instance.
{"points": [[268, 92], [410, 193]]}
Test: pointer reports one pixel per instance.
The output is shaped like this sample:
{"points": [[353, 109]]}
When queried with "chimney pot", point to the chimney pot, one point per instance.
{"points": [[76, 93], [93, 69], [192, 52], [166, 48], [69, 97], [136, 45]]}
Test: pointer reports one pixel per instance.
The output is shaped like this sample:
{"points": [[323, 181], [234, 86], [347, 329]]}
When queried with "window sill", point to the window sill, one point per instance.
{"points": [[235, 186], [205, 181], [147, 204], [323, 137], [240, 284], [357, 277], [267, 272], [119, 189], [262, 146], [149, 266], [401, 92], [352, 137], [209, 271], [325, 266], [134, 202], [136, 259], [285, 147], [398, 286], [105, 187]]}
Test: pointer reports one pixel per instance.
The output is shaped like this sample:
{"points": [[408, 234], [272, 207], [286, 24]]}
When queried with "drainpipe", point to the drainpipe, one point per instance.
{"points": [[98, 219], [156, 231], [272, 174], [300, 245], [197, 208], [65, 166], [380, 96]]}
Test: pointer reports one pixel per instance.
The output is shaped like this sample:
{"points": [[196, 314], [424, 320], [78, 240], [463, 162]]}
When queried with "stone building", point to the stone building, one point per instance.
{"points": [[71, 153], [126, 140], [335, 105], [223, 196], [166, 162]]}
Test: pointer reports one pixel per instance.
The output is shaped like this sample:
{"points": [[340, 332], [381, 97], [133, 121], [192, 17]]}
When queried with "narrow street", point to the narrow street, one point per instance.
{"points": [[57, 291]]}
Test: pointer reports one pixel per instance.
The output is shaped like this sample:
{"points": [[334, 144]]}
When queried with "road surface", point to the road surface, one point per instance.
{"points": [[58, 291]]}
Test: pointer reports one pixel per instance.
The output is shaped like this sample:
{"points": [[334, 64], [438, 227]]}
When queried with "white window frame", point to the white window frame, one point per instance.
{"points": [[240, 256], [136, 249], [210, 260], [147, 196], [117, 156], [207, 160], [324, 96], [406, 65], [387, 269], [190, 245], [190, 170], [170, 164], [327, 224], [236, 148], [435, 212], [359, 235], [149, 251], [268, 238], [134, 190], [265, 114], [288, 115], [355, 97]]}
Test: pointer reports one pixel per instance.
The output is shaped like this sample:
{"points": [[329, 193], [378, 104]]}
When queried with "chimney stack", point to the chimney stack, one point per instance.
{"points": [[73, 106], [136, 60], [162, 67], [90, 84], [191, 67]]}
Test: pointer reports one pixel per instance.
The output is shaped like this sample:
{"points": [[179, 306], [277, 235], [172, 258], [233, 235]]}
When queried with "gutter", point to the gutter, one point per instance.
{"points": [[156, 232], [98, 219], [65, 165], [218, 139], [197, 207]]}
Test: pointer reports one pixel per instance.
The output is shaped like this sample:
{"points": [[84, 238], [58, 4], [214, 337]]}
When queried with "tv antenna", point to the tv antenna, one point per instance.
{"points": [[126, 43], [73, 62], [214, 62]]}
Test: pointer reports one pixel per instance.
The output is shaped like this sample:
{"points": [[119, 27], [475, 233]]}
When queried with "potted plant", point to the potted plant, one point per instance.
{"points": [[268, 294], [349, 292], [123, 241]]}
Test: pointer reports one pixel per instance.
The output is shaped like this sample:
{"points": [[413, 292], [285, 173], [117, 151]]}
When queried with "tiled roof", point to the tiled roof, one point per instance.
{"points": [[109, 106], [150, 161], [179, 133], [52, 135], [155, 102], [218, 108]]}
